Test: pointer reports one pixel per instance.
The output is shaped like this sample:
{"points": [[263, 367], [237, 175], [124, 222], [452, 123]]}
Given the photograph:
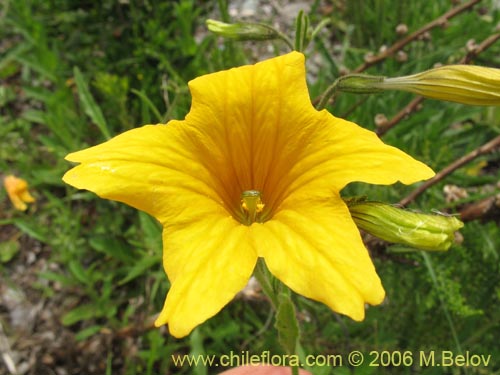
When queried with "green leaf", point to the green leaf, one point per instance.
{"points": [[87, 332], [8, 250], [83, 312], [140, 268], [31, 229], [113, 247], [78, 271], [286, 324], [151, 230], [34, 115], [148, 104], [302, 31], [7, 95], [53, 276], [89, 104]]}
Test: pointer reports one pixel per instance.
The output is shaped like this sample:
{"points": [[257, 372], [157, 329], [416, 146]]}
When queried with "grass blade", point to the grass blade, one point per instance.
{"points": [[89, 104]]}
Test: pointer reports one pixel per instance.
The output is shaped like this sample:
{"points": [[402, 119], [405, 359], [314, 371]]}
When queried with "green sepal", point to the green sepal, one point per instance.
{"points": [[360, 84]]}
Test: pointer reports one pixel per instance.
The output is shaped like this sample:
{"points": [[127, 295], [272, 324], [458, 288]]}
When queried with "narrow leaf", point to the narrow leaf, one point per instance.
{"points": [[286, 324], [89, 104]]}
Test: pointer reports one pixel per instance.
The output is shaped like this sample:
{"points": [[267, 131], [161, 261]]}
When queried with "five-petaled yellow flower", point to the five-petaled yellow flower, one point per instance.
{"points": [[253, 171], [17, 190]]}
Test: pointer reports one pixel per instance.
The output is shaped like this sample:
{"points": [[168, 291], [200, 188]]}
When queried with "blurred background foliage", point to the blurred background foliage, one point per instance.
{"points": [[86, 273]]}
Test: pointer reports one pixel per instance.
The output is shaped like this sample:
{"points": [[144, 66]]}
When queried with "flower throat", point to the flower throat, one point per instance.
{"points": [[252, 206]]}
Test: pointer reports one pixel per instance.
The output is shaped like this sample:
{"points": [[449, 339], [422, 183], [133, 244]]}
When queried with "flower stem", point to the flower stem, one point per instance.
{"points": [[280, 35], [286, 318], [329, 93], [285, 39], [264, 278]]}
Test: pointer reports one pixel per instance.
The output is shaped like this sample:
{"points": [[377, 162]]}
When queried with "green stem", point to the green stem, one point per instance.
{"points": [[284, 38], [286, 317], [329, 93], [437, 285], [353, 83], [279, 34], [263, 276]]}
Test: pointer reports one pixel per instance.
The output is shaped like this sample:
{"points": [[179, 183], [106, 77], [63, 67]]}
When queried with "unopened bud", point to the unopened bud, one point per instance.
{"points": [[467, 84], [392, 224], [242, 31], [359, 83]]}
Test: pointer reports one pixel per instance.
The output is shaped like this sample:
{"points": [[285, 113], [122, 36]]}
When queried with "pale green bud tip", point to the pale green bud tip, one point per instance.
{"points": [[359, 83], [466, 84], [392, 224], [242, 31]]}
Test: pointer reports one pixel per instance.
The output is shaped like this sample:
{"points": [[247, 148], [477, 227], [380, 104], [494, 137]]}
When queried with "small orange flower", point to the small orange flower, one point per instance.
{"points": [[17, 189]]}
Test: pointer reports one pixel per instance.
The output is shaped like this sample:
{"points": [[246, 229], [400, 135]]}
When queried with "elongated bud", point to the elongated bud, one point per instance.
{"points": [[467, 84], [360, 84], [392, 224], [242, 31]]}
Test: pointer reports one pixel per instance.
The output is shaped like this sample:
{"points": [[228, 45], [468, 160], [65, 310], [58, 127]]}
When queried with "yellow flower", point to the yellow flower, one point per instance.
{"points": [[467, 84], [17, 190], [253, 171]]}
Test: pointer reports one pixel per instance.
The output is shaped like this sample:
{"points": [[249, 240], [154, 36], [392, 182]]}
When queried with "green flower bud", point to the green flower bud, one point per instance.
{"points": [[467, 84], [359, 84], [392, 224], [242, 31]]}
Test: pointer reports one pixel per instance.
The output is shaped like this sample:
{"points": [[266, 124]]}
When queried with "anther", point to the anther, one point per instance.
{"points": [[251, 202]]}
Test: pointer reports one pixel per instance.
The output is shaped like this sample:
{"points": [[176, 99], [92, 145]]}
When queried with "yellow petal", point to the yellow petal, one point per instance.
{"points": [[238, 136], [249, 128], [267, 135], [252, 123], [358, 154], [314, 247], [345, 152], [207, 255], [207, 261], [150, 168]]}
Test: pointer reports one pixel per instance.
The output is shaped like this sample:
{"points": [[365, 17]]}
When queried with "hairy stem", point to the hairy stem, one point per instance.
{"points": [[484, 149], [440, 21]]}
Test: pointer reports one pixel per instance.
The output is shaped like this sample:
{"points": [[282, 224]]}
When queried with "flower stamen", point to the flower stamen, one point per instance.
{"points": [[251, 203]]}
